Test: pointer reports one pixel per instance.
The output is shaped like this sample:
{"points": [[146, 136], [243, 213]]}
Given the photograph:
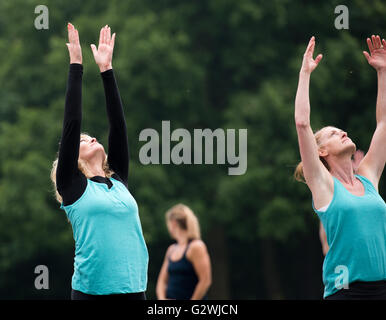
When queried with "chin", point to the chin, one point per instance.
{"points": [[351, 148], [354, 147], [95, 154]]}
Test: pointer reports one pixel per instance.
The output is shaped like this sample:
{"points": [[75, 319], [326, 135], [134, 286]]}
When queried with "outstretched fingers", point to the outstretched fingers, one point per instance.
{"points": [[379, 43], [105, 35], [318, 58], [73, 44], [76, 37], [370, 45], [73, 35], [70, 29], [374, 43], [94, 50], [311, 46], [108, 35], [366, 54], [101, 35], [112, 41]]}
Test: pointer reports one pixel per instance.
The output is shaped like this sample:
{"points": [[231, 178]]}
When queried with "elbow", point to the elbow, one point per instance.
{"points": [[206, 282], [301, 123], [160, 292]]}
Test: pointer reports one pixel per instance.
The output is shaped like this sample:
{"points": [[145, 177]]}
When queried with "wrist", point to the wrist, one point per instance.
{"points": [[304, 73], [104, 68], [381, 71]]}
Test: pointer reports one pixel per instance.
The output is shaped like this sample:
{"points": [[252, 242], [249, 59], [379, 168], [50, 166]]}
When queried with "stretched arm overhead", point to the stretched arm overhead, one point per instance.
{"points": [[373, 163], [67, 170], [118, 150], [316, 175]]}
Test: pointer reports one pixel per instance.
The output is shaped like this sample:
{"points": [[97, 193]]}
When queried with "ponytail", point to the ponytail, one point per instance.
{"points": [[298, 174]]}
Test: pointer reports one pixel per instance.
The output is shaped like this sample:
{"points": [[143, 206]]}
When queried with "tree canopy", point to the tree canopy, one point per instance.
{"points": [[198, 64]]}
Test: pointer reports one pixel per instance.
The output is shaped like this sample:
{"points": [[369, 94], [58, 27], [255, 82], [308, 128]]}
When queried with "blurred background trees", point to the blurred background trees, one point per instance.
{"points": [[199, 64]]}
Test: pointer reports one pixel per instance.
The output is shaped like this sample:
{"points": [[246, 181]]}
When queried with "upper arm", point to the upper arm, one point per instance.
{"points": [[199, 257], [373, 163], [316, 175], [70, 140], [118, 154], [118, 149], [68, 154]]}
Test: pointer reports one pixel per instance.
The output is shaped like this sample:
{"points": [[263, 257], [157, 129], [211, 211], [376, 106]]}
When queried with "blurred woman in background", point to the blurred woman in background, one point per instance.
{"points": [[186, 271], [348, 204]]}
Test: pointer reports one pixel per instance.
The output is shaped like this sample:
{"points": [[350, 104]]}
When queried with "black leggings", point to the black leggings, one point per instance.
{"points": [[375, 290], [77, 295]]}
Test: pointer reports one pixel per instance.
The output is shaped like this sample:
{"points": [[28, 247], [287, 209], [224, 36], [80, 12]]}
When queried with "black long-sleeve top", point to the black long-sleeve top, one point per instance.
{"points": [[70, 181]]}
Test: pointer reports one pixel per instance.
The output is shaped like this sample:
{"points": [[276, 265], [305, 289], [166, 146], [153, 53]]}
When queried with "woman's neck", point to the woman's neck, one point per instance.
{"points": [[182, 238], [95, 169], [342, 169]]}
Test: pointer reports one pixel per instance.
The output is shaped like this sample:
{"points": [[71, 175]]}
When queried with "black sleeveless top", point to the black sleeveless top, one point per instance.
{"points": [[182, 278]]}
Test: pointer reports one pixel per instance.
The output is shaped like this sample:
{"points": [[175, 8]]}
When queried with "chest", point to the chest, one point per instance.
{"points": [[356, 189], [357, 214], [180, 267], [99, 200], [177, 253]]}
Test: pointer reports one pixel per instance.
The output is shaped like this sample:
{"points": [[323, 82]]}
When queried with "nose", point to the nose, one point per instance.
{"points": [[344, 134], [93, 140]]}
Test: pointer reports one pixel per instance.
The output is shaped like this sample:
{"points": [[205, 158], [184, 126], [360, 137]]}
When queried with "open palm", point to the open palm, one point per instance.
{"points": [[73, 45], [377, 56], [103, 55]]}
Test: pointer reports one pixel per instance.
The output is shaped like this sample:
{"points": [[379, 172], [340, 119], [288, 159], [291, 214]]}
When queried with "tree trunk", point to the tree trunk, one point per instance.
{"points": [[270, 272], [218, 251]]}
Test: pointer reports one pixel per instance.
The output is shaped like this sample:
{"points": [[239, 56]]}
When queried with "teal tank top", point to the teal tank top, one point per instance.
{"points": [[111, 256], [356, 234]]}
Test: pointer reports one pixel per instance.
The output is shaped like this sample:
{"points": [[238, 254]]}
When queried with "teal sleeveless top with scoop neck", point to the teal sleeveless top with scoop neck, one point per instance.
{"points": [[356, 234], [111, 256]]}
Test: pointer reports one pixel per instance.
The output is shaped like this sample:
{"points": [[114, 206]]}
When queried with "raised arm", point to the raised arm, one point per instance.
{"points": [[69, 144], [316, 175], [118, 150], [373, 163]]}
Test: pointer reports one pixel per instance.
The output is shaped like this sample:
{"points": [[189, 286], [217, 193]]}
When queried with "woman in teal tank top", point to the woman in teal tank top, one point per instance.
{"points": [[348, 204], [111, 257]]}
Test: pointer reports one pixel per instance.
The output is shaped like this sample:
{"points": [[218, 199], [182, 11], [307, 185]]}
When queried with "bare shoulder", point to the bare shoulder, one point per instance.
{"points": [[169, 250], [196, 247]]}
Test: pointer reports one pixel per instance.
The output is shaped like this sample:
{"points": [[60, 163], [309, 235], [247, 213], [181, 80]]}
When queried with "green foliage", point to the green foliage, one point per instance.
{"points": [[199, 64]]}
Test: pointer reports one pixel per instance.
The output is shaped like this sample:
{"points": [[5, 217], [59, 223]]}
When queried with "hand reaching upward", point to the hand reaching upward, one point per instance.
{"points": [[103, 55], [309, 64], [377, 56], [73, 45]]}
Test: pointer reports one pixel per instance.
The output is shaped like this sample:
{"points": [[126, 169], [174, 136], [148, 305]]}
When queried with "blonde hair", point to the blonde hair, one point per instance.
{"points": [[185, 219], [82, 167], [299, 174]]}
